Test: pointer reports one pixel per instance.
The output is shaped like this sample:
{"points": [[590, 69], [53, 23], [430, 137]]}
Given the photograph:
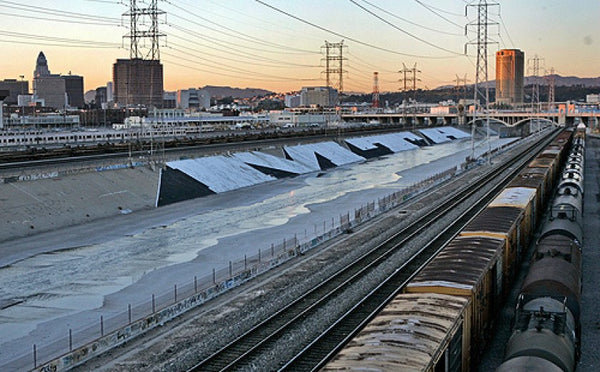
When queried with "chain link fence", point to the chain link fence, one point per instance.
{"points": [[110, 330]]}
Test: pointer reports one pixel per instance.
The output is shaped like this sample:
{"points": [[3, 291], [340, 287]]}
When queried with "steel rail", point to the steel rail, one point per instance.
{"points": [[316, 354], [259, 337]]}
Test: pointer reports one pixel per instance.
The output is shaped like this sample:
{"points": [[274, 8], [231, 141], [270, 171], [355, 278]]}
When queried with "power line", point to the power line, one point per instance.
{"points": [[57, 45], [223, 44], [409, 21], [404, 31], [58, 13], [506, 30], [228, 67], [433, 10], [256, 22], [236, 34], [229, 75], [277, 63], [89, 43], [342, 35], [60, 20]]}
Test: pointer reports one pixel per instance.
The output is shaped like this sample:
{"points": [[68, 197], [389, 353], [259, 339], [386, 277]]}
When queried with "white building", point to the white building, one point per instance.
{"points": [[290, 118], [193, 99], [293, 101], [592, 98], [109, 92]]}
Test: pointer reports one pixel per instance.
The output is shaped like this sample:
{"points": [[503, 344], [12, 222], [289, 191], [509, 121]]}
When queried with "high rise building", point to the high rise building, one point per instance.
{"points": [[100, 99], [74, 90], [41, 66], [56, 90], [138, 82], [510, 65], [109, 92], [318, 96], [51, 88], [15, 88]]}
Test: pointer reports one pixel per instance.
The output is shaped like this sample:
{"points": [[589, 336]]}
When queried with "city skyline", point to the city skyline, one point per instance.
{"points": [[245, 43]]}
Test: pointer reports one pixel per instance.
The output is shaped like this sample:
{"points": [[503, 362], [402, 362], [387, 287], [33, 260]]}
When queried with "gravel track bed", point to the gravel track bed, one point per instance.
{"points": [[183, 342]]}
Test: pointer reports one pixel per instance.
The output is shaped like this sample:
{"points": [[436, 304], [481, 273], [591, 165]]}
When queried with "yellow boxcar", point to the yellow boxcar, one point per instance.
{"points": [[469, 267]]}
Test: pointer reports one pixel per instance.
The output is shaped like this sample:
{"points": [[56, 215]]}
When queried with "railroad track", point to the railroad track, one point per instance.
{"points": [[262, 337]]}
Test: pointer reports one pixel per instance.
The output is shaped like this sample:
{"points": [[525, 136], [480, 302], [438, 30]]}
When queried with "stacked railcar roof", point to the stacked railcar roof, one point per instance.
{"points": [[518, 197], [460, 265], [409, 334], [500, 220], [529, 179]]}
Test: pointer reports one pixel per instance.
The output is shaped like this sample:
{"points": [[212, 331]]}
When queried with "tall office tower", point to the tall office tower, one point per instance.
{"points": [[510, 65], [74, 90], [49, 87], [41, 66], [56, 90], [138, 82]]}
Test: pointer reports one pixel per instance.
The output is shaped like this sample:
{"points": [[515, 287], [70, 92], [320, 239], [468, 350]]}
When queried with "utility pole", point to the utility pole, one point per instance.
{"points": [[481, 71], [375, 89], [334, 63], [534, 69]]}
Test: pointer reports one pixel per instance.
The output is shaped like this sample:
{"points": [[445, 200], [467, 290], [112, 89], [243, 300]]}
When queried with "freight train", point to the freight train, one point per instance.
{"points": [[546, 333], [445, 317]]}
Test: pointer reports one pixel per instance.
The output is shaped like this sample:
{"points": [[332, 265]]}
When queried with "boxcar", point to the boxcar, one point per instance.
{"points": [[469, 267], [414, 332]]}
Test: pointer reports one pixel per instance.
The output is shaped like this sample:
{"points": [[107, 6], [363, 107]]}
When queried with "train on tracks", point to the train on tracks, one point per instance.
{"points": [[445, 316], [546, 333]]}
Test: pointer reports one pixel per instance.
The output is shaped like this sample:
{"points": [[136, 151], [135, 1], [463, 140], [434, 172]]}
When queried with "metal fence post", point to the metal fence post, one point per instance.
{"points": [[245, 263], [230, 270], [129, 312], [34, 356], [195, 284], [153, 304], [259, 254], [214, 276], [101, 326], [175, 290], [70, 340], [272, 250]]}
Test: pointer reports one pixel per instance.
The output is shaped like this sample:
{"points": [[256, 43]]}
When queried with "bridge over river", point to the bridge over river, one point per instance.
{"points": [[508, 118]]}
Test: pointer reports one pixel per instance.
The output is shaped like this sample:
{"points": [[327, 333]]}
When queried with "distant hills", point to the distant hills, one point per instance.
{"points": [[559, 81], [217, 91], [567, 81]]}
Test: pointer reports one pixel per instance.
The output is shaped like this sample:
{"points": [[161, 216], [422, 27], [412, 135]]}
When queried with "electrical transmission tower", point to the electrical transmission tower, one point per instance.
{"points": [[461, 86], [407, 80], [481, 71], [534, 70], [551, 79], [144, 71], [334, 64], [143, 25], [376, 89]]}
